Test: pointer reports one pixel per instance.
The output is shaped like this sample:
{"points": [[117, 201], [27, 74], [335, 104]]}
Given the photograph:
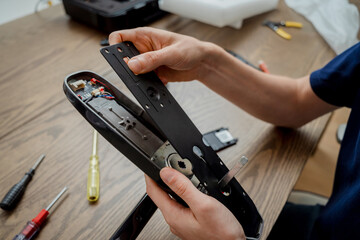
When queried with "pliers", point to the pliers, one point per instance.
{"points": [[275, 26]]}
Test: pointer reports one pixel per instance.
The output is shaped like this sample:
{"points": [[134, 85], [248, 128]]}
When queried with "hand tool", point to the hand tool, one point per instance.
{"points": [[93, 173], [275, 26], [15, 193], [33, 227]]}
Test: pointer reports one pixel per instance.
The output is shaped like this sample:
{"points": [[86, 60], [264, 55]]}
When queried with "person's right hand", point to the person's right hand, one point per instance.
{"points": [[205, 218], [174, 57]]}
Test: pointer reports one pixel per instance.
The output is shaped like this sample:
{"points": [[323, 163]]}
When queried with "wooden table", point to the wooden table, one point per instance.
{"points": [[39, 50]]}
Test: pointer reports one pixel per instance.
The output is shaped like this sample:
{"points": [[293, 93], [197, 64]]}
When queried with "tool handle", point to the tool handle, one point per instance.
{"points": [[15, 193], [293, 24], [29, 231], [93, 184], [283, 34], [41, 217]]}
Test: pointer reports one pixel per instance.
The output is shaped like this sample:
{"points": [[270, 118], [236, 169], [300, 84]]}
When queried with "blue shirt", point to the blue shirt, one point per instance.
{"points": [[338, 83]]}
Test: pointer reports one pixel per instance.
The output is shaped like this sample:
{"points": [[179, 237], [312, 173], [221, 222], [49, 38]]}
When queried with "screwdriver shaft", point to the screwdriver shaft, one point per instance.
{"points": [[38, 161], [95, 143], [56, 199]]}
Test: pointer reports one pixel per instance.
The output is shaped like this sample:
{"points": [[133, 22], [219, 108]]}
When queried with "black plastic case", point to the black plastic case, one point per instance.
{"points": [[111, 15]]}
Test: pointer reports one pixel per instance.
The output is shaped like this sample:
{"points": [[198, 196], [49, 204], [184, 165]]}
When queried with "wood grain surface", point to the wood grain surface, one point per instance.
{"points": [[38, 51]]}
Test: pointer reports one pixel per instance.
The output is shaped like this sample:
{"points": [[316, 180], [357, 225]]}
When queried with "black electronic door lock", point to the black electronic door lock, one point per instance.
{"points": [[158, 134]]}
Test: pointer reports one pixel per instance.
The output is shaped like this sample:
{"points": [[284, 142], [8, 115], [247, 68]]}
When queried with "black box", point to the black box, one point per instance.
{"points": [[111, 15]]}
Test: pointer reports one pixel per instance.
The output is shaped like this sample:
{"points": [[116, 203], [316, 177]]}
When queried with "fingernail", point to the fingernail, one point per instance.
{"points": [[166, 175], [134, 65]]}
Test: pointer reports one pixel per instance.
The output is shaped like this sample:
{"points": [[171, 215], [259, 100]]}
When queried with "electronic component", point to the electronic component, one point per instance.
{"points": [[17, 191], [79, 84], [97, 92]]}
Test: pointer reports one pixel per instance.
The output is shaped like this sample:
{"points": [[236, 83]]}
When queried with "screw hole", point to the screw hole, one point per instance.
{"points": [[126, 59], [153, 93]]}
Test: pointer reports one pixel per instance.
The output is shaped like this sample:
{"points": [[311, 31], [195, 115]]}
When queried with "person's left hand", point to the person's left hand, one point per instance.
{"points": [[206, 218]]}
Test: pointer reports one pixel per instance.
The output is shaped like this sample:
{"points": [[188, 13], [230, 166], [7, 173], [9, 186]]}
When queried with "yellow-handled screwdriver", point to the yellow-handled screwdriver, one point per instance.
{"points": [[93, 188]]}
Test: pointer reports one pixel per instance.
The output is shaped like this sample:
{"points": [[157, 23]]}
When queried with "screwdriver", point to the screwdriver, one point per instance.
{"points": [[93, 173], [33, 226], [17, 191]]}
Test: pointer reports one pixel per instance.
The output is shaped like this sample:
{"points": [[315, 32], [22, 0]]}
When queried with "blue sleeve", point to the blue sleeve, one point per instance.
{"points": [[338, 83]]}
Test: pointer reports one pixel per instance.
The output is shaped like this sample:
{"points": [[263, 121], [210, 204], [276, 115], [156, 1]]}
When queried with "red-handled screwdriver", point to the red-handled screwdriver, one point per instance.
{"points": [[33, 226]]}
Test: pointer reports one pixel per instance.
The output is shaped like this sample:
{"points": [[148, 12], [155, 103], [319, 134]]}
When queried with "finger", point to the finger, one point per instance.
{"points": [[144, 38], [149, 61], [122, 36], [177, 216], [160, 198], [183, 187]]}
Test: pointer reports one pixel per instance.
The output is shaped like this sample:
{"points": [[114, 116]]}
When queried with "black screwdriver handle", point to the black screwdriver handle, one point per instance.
{"points": [[15, 193]]}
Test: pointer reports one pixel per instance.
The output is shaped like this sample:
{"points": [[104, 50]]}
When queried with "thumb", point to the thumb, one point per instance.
{"points": [[182, 186], [149, 61]]}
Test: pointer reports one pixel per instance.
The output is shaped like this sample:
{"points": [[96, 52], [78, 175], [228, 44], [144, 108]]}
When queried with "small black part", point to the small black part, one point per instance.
{"points": [[215, 143], [104, 42]]}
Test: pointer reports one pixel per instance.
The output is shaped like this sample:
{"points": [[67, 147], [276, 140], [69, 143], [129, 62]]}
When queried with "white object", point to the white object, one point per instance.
{"points": [[219, 13], [337, 21], [11, 10]]}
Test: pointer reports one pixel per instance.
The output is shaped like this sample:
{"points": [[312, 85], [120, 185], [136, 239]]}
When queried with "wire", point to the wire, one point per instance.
{"points": [[94, 80], [107, 96]]}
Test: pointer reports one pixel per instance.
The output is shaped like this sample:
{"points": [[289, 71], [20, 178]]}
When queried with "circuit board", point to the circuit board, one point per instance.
{"points": [[99, 97]]}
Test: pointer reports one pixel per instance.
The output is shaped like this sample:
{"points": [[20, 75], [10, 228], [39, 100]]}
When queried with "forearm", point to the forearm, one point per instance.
{"points": [[275, 99], [279, 100]]}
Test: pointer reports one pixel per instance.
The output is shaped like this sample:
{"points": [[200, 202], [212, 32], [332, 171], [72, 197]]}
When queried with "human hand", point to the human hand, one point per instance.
{"points": [[174, 57], [206, 218]]}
